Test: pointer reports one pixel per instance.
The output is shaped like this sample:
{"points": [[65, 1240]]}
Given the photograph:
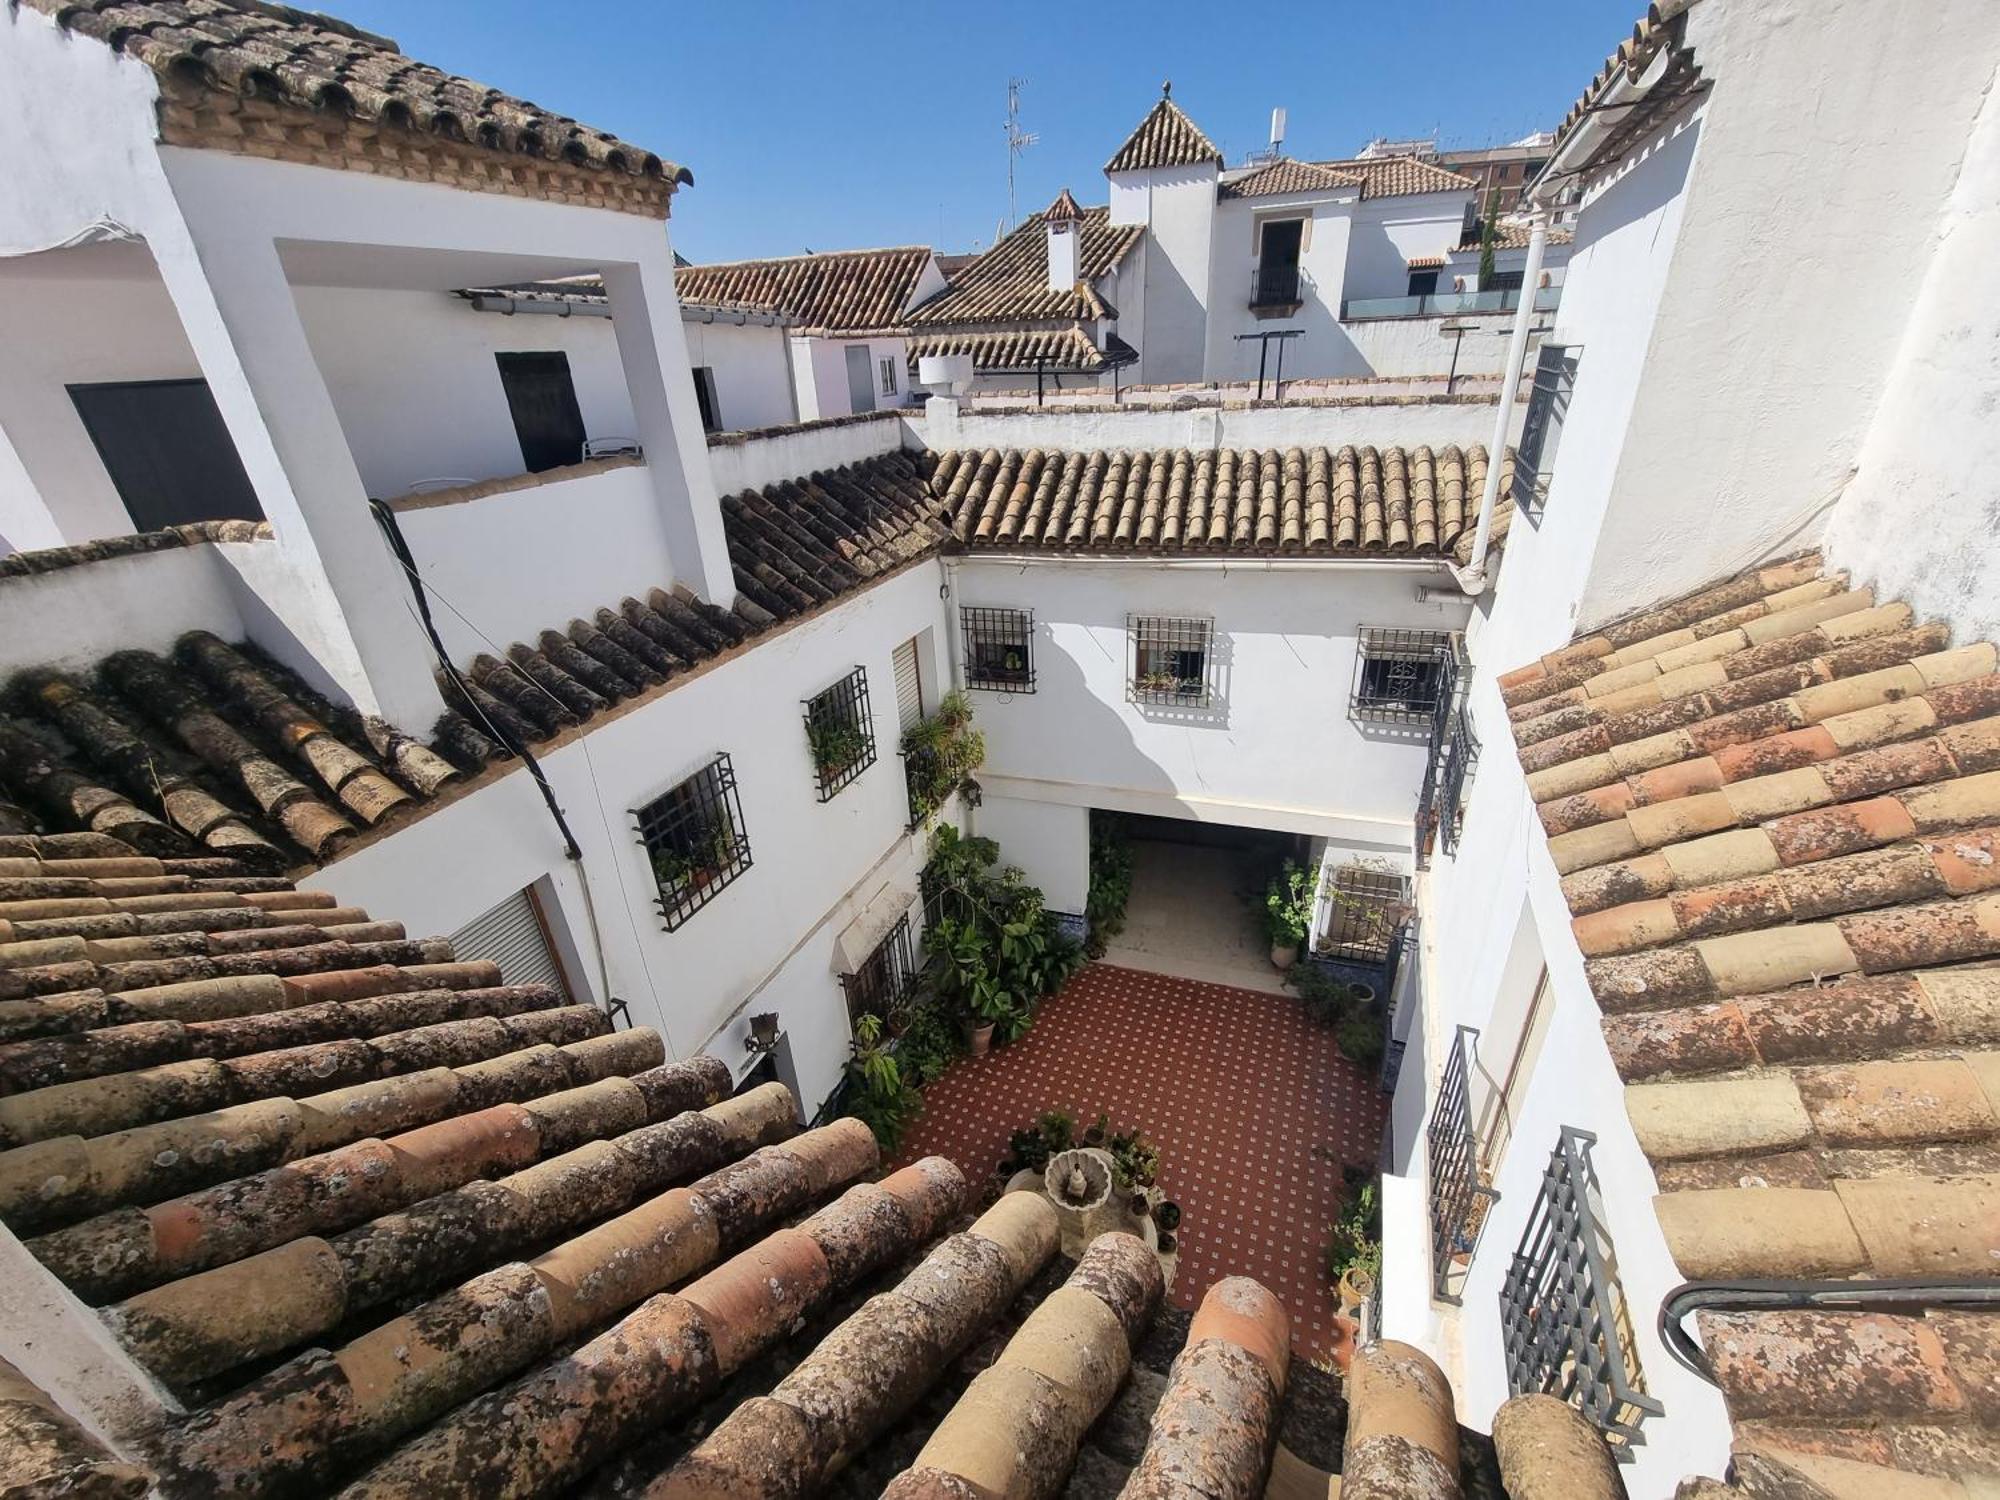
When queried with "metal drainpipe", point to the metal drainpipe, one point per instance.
{"points": [[1473, 579]]}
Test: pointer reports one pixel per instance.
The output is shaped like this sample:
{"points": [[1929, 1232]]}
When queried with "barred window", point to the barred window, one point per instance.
{"points": [[694, 836], [999, 652], [840, 733], [1366, 906], [885, 977], [1562, 1321], [1399, 675], [1170, 660], [1541, 428]]}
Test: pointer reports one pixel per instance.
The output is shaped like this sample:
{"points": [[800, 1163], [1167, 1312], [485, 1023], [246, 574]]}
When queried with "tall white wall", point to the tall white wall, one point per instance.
{"points": [[1177, 206], [1277, 749], [1323, 347], [1918, 520], [753, 373], [1766, 365], [1389, 232], [1049, 841], [766, 942], [820, 369]]}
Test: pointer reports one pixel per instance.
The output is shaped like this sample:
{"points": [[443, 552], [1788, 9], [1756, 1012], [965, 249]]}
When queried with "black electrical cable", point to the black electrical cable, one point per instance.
{"points": [[392, 532], [1831, 1296]]}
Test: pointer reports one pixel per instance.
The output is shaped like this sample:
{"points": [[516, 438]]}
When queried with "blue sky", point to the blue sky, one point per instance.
{"points": [[832, 126]]}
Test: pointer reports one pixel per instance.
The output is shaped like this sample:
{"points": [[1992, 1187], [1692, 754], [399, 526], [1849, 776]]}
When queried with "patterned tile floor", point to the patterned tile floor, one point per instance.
{"points": [[1253, 1108]]}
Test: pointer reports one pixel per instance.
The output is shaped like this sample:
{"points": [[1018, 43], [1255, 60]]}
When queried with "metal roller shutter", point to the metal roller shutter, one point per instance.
{"points": [[511, 936]]}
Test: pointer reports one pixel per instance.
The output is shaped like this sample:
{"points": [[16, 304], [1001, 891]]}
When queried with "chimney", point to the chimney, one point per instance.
{"points": [[1062, 226]]}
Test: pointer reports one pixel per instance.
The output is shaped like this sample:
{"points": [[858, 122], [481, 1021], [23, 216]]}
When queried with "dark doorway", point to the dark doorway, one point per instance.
{"points": [[1278, 261], [542, 398], [167, 452]]}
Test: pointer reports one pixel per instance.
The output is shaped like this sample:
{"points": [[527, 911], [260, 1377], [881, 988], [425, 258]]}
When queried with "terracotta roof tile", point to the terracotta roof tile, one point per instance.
{"points": [[1165, 138], [314, 63], [1065, 207], [1290, 177], [839, 291], [1776, 806], [1399, 176], [1054, 349], [1662, 27], [1010, 282]]}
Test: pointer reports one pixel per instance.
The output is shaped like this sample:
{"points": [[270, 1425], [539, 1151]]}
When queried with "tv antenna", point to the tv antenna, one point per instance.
{"points": [[1018, 140]]}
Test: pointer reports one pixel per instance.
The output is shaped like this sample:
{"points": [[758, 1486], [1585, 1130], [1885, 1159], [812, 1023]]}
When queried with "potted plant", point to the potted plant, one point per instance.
{"points": [[1094, 1135], [1138, 1204], [1167, 1215], [1168, 1244], [1288, 902]]}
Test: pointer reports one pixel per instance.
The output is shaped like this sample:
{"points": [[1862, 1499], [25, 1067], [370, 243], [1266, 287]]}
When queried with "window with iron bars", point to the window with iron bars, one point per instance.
{"points": [[999, 650], [840, 732], [1453, 757], [1541, 429], [694, 836], [1366, 907], [1398, 675], [885, 978], [1460, 1198], [1170, 660], [1561, 1321]]}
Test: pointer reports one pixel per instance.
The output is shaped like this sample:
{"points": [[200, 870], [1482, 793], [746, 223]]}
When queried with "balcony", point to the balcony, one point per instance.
{"points": [[1460, 1200], [1444, 304], [1276, 288]]}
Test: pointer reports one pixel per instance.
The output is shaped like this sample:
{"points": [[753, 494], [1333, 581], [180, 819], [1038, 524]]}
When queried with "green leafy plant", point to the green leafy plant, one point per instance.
{"points": [[836, 744], [995, 953], [1135, 1161], [1326, 999], [1356, 1239], [939, 754], [1288, 905], [931, 1044], [1361, 1039], [878, 1094], [1110, 879]]}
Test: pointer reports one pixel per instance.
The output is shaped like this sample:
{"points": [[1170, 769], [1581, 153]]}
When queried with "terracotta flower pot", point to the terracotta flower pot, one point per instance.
{"points": [[1284, 956], [1137, 1205], [979, 1039]]}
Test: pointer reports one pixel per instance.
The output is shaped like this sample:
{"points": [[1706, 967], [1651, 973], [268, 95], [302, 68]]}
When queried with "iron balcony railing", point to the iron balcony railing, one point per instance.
{"points": [[1460, 1201], [1559, 1319], [1276, 286], [1445, 304], [1454, 756]]}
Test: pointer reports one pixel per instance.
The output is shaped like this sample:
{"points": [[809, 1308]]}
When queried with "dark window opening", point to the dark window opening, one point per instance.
{"points": [[1501, 281], [1279, 245], [998, 652], [542, 398], [840, 733], [167, 451], [694, 836], [1541, 428], [1398, 674], [1170, 660], [1423, 283], [704, 397], [885, 978]]}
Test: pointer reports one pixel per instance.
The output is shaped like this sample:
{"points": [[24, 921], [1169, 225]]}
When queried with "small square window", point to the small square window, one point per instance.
{"points": [[1399, 675], [885, 977], [1170, 660], [888, 375], [999, 654], [694, 836], [840, 733]]}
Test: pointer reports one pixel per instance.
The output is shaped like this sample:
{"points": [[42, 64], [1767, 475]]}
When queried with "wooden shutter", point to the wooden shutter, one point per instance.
{"points": [[168, 453], [542, 398], [909, 684], [512, 936]]}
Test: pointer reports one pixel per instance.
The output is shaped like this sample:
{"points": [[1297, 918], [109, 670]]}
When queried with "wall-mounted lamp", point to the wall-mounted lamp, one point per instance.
{"points": [[763, 1038]]}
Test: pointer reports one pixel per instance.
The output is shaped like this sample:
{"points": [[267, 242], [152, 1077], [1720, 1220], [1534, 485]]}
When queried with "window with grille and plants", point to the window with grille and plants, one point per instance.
{"points": [[1366, 905], [1399, 675], [1170, 660], [840, 733], [999, 650], [694, 836], [882, 984]]}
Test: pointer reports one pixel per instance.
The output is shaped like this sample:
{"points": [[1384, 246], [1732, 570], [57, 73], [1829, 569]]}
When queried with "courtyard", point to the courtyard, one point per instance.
{"points": [[1252, 1106]]}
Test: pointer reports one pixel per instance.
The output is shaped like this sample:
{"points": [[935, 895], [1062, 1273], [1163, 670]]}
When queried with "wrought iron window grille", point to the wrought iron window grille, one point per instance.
{"points": [[999, 648], [1541, 429], [1399, 675], [694, 837], [840, 733], [1366, 910], [886, 977], [1559, 1315], [1460, 1199], [1449, 767], [1170, 660]]}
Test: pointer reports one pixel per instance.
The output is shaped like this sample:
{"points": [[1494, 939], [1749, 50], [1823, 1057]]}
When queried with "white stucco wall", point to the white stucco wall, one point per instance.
{"points": [[753, 373], [1419, 346], [1276, 750], [1322, 347], [764, 942], [1050, 841], [1918, 521], [820, 368], [756, 462], [73, 618], [1389, 232], [1177, 206], [1766, 366]]}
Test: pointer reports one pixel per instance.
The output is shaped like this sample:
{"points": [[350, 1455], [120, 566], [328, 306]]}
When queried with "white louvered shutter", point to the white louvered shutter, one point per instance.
{"points": [[909, 684], [511, 935]]}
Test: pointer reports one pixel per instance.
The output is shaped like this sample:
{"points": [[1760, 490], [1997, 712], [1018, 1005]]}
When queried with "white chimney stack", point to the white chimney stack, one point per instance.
{"points": [[1062, 227]]}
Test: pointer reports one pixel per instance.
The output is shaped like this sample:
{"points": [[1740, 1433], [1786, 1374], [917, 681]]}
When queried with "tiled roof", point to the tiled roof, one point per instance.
{"points": [[1425, 262], [1663, 26], [1352, 501], [1165, 138], [1511, 234], [1010, 282], [1289, 177], [1056, 348], [313, 62], [217, 751], [1775, 806], [191, 534], [1065, 207], [841, 291], [794, 546], [1400, 176]]}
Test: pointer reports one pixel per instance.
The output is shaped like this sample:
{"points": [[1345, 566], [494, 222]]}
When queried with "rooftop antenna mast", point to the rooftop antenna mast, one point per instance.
{"points": [[1018, 140]]}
